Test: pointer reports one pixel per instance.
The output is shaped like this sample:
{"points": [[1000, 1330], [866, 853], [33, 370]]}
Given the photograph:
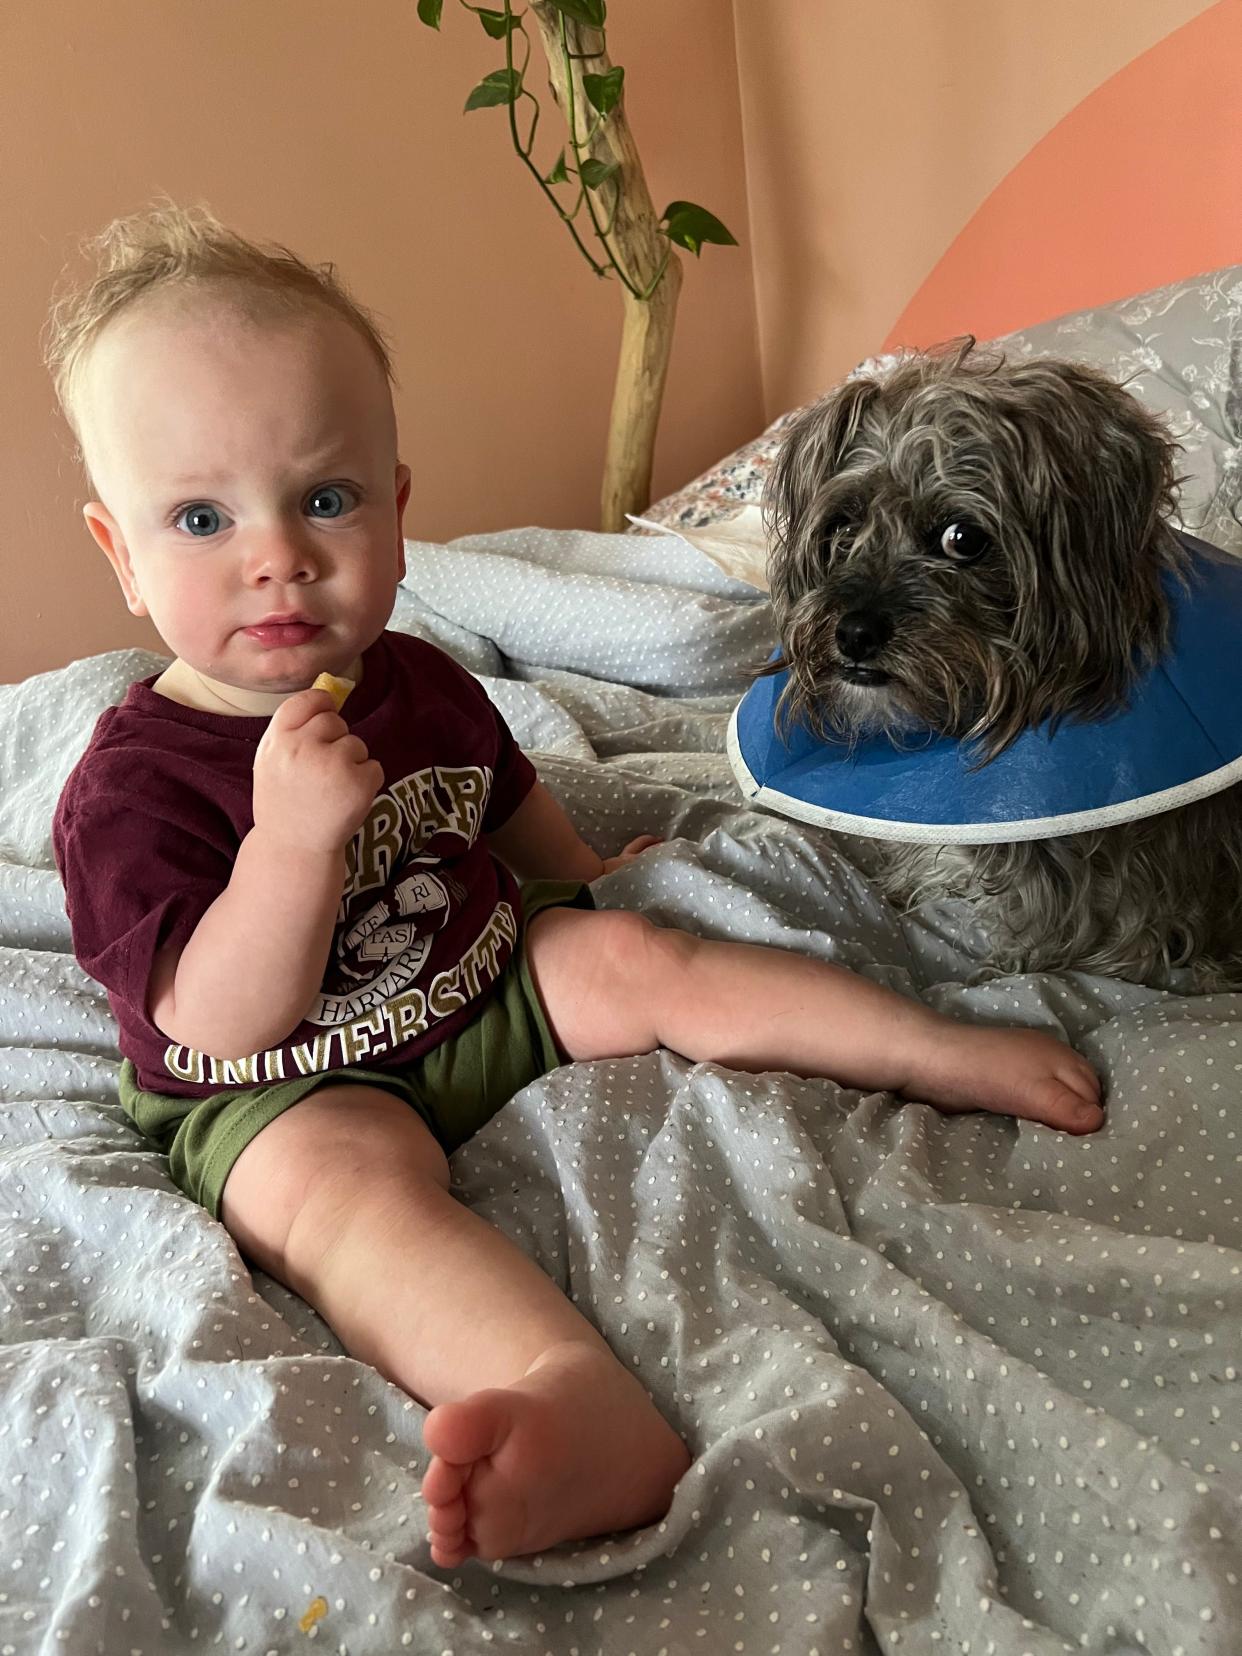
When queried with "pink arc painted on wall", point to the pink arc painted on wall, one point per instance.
{"points": [[1139, 185]]}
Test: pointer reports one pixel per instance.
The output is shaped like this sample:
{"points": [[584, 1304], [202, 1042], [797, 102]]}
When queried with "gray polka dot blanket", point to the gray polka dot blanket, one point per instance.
{"points": [[952, 1384]]}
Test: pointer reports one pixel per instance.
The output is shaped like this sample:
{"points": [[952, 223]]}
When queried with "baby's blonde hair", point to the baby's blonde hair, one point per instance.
{"points": [[168, 247]]}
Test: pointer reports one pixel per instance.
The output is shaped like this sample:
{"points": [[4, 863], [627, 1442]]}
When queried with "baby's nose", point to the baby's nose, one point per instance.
{"points": [[281, 554]]}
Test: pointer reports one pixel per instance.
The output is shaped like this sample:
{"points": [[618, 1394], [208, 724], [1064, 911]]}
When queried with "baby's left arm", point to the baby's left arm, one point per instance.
{"points": [[540, 842]]}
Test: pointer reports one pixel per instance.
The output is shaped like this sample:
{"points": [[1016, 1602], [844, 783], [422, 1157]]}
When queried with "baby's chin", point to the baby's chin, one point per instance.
{"points": [[210, 693]]}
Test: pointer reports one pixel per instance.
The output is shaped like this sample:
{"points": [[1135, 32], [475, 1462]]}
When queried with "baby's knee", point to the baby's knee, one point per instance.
{"points": [[292, 1190], [604, 977], [642, 954], [625, 938]]}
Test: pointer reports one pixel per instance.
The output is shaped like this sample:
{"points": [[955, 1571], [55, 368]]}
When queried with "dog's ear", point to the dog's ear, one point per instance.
{"points": [[1097, 469], [1100, 445], [811, 454]]}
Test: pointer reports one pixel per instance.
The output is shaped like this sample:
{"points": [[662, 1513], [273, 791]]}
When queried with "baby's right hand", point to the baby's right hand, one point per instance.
{"points": [[313, 781]]}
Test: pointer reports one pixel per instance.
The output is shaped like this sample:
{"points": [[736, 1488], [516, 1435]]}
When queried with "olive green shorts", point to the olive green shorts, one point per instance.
{"points": [[456, 1087]]}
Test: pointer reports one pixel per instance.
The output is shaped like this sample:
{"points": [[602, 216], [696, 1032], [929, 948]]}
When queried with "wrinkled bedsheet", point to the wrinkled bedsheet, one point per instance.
{"points": [[952, 1384]]}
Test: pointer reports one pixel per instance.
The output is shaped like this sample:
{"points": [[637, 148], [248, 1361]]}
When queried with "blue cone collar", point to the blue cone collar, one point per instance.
{"points": [[1179, 739]]}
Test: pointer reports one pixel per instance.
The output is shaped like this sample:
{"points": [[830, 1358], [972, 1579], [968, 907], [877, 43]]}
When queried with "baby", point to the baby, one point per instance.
{"points": [[337, 942]]}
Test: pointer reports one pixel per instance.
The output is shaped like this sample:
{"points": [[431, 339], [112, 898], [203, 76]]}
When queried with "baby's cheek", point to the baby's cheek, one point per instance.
{"points": [[198, 620]]}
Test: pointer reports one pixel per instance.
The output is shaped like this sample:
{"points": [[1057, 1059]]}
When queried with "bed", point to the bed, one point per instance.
{"points": [[954, 1384]]}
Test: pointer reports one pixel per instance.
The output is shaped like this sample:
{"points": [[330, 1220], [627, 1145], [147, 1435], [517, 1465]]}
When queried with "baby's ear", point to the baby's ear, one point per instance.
{"points": [[104, 527], [403, 494]]}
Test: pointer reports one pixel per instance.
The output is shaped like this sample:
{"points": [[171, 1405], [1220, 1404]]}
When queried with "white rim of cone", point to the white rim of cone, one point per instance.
{"points": [[978, 833]]}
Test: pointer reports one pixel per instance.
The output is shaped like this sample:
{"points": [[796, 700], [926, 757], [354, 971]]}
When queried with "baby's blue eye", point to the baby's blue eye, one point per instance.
{"points": [[202, 520], [329, 492]]}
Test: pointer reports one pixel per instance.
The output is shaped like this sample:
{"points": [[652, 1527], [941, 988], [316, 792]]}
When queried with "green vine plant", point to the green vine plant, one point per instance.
{"points": [[597, 188]]}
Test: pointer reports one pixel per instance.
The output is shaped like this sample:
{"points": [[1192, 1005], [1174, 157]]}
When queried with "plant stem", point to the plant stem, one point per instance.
{"points": [[655, 280], [573, 139], [600, 270]]}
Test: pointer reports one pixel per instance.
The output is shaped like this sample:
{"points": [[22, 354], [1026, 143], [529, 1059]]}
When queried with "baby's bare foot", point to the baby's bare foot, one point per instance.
{"points": [[1018, 1072], [574, 1448]]}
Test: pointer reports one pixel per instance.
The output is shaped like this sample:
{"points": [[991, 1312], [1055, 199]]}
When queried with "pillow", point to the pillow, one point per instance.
{"points": [[1177, 348], [45, 724]]}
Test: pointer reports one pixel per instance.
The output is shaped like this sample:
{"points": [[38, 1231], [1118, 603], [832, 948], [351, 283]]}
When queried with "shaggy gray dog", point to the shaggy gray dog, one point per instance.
{"points": [[974, 546]]}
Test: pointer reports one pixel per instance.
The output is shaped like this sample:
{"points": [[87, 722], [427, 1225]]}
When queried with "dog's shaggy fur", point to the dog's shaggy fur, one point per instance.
{"points": [[973, 546]]}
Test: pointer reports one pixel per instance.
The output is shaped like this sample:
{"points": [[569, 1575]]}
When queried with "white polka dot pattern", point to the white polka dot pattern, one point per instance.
{"points": [[953, 1384]]}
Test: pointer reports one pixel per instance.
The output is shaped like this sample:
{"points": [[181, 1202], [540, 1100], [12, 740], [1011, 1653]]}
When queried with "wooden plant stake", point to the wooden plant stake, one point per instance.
{"points": [[601, 165]]}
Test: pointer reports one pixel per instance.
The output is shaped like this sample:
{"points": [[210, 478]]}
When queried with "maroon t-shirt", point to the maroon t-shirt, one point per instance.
{"points": [[152, 816]]}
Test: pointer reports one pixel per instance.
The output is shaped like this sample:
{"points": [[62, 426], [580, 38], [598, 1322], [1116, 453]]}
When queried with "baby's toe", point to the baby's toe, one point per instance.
{"points": [[447, 1533], [462, 1433], [449, 1555], [1079, 1076], [447, 1523], [1069, 1110], [443, 1482], [1092, 1077]]}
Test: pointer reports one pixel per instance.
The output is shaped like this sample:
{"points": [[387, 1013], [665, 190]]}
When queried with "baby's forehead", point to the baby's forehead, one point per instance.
{"points": [[219, 343], [190, 318]]}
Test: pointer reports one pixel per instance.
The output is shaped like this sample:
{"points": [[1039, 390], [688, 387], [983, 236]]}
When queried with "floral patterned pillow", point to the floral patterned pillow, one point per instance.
{"points": [[1178, 348]]}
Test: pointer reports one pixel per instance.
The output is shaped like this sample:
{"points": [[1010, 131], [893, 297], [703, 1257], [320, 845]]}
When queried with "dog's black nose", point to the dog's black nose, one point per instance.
{"points": [[862, 633]]}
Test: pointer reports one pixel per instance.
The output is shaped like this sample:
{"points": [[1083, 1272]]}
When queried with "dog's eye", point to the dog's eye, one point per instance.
{"points": [[962, 543], [837, 535]]}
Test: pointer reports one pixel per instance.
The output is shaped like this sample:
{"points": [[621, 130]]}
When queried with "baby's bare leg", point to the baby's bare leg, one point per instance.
{"points": [[614, 984], [541, 1434]]}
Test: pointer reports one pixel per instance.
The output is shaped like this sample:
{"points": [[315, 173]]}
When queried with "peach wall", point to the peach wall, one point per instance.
{"points": [[885, 147], [338, 129], [1142, 172]]}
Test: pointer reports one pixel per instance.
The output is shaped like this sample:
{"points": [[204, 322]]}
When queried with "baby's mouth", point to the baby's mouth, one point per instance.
{"points": [[275, 635]]}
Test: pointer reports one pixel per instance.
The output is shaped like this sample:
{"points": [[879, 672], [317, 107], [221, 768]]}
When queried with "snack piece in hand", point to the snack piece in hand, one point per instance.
{"points": [[337, 688]]}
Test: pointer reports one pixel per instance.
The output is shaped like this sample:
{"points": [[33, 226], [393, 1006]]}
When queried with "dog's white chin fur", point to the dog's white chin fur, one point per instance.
{"points": [[861, 710]]}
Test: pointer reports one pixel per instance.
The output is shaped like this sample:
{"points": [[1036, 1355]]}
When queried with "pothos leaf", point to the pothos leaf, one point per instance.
{"points": [[590, 12], [594, 173], [429, 12], [497, 23], [558, 175], [689, 226], [500, 87], [604, 91]]}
